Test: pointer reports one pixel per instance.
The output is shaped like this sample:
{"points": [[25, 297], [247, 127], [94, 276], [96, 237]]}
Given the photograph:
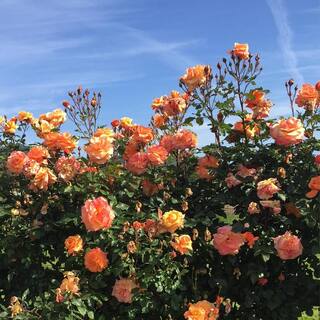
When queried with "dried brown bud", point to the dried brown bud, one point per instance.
{"points": [[126, 226], [220, 117], [138, 206], [93, 102], [195, 234], [184, 206], [131, 247], [189, 192], [207, 235], [291, 82]]}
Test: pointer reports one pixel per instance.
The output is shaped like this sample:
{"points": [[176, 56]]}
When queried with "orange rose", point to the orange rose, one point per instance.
{"points": [[256, 97], [174, 104], [158, 103], [241, 50], [314, 185], [55, 118], [149, 188], [287, 132], [159, 120], [131, 148], [42, 127], [251, 130], [182, 244], [253, 208], [39, 154], [99, 149], [10, 126], [126, 122], [137, 163], [60, 141], [142, 134], [267, 188], [258, 104], [231, 180], [73, 244], [202, 310], [307, 97], [97, 214], [69, 285], [105, 133], [42, 180], [245, 172], [157, 155], [168, 142], [31, 168], [16, 162], [196, 76], [185, 139], [172, 220], [288, 246], [67, 168], [204, 164], [122, 290], [95, 260], [24, 116], [250, 239]]}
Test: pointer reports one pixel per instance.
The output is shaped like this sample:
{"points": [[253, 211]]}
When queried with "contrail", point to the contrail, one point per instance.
{"points": [[280, 16]]}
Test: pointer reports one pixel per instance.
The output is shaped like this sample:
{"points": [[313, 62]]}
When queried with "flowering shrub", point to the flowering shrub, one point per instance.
{"points": [[139, 223]]}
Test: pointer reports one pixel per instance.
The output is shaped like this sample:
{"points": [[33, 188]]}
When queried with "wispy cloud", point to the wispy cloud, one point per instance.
{"points": [[280, 16]]}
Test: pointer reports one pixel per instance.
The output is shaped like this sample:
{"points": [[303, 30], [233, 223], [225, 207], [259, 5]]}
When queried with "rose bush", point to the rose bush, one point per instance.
{"points": [[138, 222]]}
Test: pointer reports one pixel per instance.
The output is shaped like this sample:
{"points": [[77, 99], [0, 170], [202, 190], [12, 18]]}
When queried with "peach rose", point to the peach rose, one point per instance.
{"points": [[185, 139], [205, 163], [274, 205], [10, 126], [42, 127], [16, 162], [73, 244], [105, 133], [122, 290], [99, 149], [69, 285], [202, 310], [245, 172], [172, 220], [55, 118], [250, 239], [97, 214], [60, 141], [231, 180], [67, 168], [182, 244], [267, 188], [168, 142], [314, 185], [157, 155], [149, 188], [253, 208], [241, 50], [288, 246], [251, 130], [39, 154], [174, 104], [131, 148], [142, 134], [159, 120], [24, 116], [227, 242], [287, 132], [95, 260], [31, 168], [307, 97], [196, 76], [42, 180], [256, 97], [137, 164]]}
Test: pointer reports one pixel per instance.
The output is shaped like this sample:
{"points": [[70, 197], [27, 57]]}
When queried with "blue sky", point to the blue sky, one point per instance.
{"points": [[133, 51]]}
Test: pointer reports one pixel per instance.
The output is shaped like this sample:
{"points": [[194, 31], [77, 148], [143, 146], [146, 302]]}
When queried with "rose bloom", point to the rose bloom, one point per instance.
{"points": [[149, 188], [115, 123], [99, 149], [122, 290], [24, 116], [95, 260], [267, 188], [251, 130], [241, 50], [137, 164], [275, 205], [203, 173], [142, 134], [60, 141], [317, 160], [126, 122], [250, 239], [42, 127], [31, 168], [245, 172], [227, 242], [10, 126], [168, 142], [253, 208], [196, 76], [16, 162], [172, 220], [55, 118], [307, 97], [174, 104], [256, 97], [67, 168], [131, 148], [314, 185], [182, 244], [70, 285], [185, 139], [39, 154], [287, 132], [159, 120], [202, 310], [231, 180], [105, 133], [73, 244], [157, 103], [262, 110], [288, 246], [157, 155], [208, 161], [42, 180], [97, 214]]}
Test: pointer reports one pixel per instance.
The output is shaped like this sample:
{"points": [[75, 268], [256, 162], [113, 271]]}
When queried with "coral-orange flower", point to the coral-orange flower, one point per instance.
{"points": [[99, 149], [196, 76], [250, 239], [267, 188], [60, 141], [122, 290], [55, 118], [182, 244], [241, 50], [137, 163], [69, 285], [95, 260], [251, 129], [97, 214], [149, 188], [288, 246], [314, 185], [39, 154], [168, 142], [16, 162], [287, 132], [73, 244], [205, 163], [10, 126], [67, 168], [174, 104], [24, 116], [202, 310], [105, 133], [157, 155], [43, 179], [159, 120], [142, 134], [185, 139], [307, 97]]}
